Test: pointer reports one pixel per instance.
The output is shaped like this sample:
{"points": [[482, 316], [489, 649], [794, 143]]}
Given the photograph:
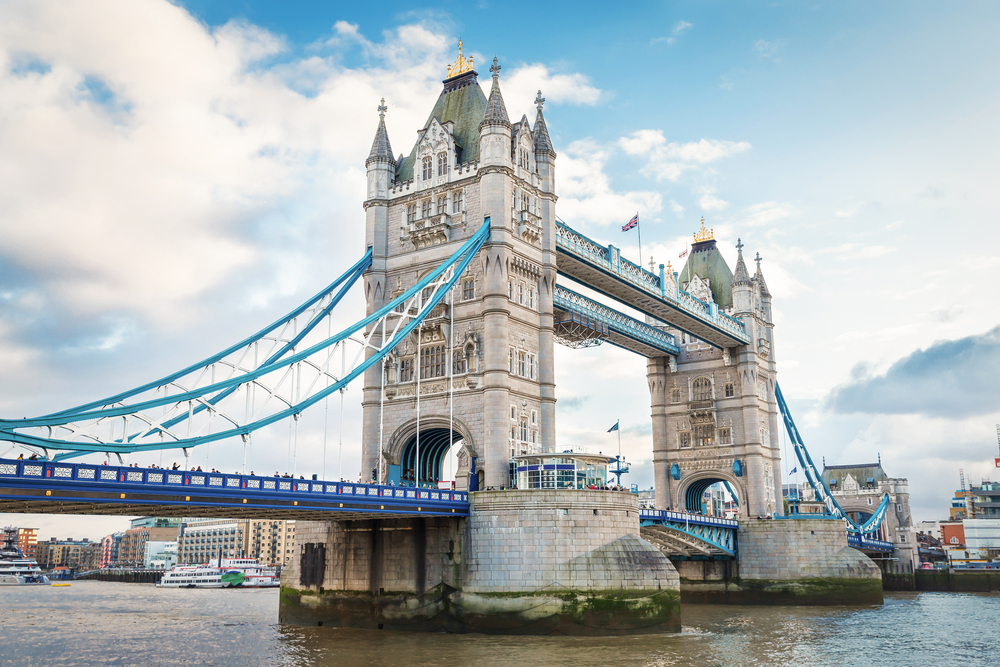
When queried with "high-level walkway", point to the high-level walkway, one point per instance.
{"points": [[580, 321], [603, 269]]}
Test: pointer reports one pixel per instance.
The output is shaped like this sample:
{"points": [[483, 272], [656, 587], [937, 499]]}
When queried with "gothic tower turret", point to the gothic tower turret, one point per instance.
{"points": [[469, 166]]}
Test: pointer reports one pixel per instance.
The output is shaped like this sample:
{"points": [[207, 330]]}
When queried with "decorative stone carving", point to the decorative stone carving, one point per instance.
{"points": [[529, 227], [433, 230], [763, 347]]}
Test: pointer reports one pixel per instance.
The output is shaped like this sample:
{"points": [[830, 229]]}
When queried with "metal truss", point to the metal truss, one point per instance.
{"points": [[612, 320], [823, 493], [610, 262], [276, 373], [691, 538]]}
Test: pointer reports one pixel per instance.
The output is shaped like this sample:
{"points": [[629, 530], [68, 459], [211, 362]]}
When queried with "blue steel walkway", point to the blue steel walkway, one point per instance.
{"points": [[690, 535], [602, 268], [603, 323], [71, 488]]}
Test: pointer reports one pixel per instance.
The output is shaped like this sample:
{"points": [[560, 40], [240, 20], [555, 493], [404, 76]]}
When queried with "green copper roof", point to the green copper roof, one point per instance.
{"points": [[706, 261], [861, 472], [462, 101]]}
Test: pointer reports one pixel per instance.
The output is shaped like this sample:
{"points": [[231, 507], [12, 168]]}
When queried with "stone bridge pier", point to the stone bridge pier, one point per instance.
{"points": [[522, 562]]}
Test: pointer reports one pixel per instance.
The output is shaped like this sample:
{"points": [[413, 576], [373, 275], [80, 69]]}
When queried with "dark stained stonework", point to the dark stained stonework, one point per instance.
{"points": [[445, 609]]}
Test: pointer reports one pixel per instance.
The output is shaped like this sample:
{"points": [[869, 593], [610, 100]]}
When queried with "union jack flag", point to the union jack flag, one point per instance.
{"points": [[634, 222], [683, 254]]}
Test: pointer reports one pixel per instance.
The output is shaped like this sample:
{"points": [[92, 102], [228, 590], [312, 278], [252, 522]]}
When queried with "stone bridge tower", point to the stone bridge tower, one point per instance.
{"points": [[469, 164], [715, 417]]}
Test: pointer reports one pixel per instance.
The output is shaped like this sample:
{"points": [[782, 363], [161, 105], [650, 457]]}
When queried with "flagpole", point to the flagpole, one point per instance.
{"points": [[638, 229], [619, 429]]}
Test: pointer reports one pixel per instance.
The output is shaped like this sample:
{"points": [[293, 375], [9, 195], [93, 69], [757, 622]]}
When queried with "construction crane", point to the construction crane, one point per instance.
{"points": [[967, 495]]}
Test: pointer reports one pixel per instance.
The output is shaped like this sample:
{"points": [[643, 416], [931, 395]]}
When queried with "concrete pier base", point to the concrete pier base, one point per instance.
{"points": [[524, 562], [798, 562]]}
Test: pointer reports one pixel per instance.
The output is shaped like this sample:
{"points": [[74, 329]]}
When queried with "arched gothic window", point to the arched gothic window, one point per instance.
{"points": [[701, 389], [442, 164], [428, 171]]}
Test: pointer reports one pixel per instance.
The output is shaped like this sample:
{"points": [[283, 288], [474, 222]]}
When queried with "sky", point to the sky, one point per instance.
{"points": [[174, 175]]}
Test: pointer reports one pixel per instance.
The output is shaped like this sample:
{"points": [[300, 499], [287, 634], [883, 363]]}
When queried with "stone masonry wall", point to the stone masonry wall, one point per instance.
{"points": [[399, 555], [529, 541], [781, 550]]}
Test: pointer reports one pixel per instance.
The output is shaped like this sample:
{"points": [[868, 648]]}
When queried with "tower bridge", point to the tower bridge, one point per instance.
{"points": [[467, 277]]}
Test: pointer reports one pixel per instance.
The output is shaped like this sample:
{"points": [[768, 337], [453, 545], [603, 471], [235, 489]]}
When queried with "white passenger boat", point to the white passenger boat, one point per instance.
{"points": [[16, 569], [233, 573]]}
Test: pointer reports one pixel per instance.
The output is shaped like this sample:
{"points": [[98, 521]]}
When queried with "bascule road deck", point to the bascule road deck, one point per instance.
{"points": [[602, 268], [68, 488]]}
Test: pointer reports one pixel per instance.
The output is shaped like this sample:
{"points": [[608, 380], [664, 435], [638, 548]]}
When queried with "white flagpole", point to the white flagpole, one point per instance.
{"points": [[638, 229]]}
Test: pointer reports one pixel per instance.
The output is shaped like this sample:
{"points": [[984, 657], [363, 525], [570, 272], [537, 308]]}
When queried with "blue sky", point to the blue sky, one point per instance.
{"points": [[171, 176]]}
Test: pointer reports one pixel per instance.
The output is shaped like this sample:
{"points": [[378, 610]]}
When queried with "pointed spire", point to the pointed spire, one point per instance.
{"points": [[759, 277], [496, 112], [381, 150], [543, 145], [741, 276]]}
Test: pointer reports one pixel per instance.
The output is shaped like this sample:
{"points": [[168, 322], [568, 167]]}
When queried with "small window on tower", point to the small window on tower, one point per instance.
{"points": [[675, 395], [685, 439], [468, 289], [730, 390], [411, 213], [456, 201], [531, 296], [428, 169], [520, 293], [442, 205], [442, 164], [425, 208], [725, 436]]}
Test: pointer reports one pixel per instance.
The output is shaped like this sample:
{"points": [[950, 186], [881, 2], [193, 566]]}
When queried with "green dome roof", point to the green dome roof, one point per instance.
{"points": [[462, 102], [706, 261]]}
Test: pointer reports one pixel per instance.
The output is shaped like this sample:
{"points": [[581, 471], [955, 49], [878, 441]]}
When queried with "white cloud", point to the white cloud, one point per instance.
{"points": [[765, 49], [712, 203], [859, 250], [586, 193], [524, 82], [676, 32], [847, 212], [766, 213], [676, 208], [669, 160]]}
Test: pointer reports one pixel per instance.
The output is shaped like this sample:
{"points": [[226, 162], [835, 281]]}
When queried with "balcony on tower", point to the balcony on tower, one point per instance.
{"points": [[528, 226], [434, 229]]}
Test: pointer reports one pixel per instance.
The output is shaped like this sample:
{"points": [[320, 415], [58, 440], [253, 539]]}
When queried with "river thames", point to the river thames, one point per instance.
{"points": [[98, 623]]}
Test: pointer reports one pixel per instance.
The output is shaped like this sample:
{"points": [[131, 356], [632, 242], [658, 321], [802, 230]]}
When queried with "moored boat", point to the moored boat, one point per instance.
{"points": [[232, 573], [16, 569]]}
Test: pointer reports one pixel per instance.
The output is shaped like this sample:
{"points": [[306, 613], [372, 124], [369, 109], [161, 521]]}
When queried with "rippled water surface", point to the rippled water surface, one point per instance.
{"points": [[97, 623]]}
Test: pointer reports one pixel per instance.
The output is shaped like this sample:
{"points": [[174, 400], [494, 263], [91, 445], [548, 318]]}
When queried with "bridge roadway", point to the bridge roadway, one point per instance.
{"points": [[603, 269], [81, 488]]}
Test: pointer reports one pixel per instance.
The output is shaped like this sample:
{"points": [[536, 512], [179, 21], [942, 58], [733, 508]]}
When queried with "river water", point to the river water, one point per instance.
{"points": [[98, 623]]}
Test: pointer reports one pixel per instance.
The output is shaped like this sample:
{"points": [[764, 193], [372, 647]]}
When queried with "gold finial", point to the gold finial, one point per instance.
{"points": [[704, 234], [670, 268], [462, 64]]}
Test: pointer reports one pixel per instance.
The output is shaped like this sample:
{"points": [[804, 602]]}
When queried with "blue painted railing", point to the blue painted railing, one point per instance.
{"points": [[609, 259], [76, 475], [700, 519], [615, 321], [869, 544]]}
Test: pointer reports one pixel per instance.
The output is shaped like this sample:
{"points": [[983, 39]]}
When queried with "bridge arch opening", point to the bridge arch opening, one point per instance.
{"points": [[436, 444], [723, 491]]}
